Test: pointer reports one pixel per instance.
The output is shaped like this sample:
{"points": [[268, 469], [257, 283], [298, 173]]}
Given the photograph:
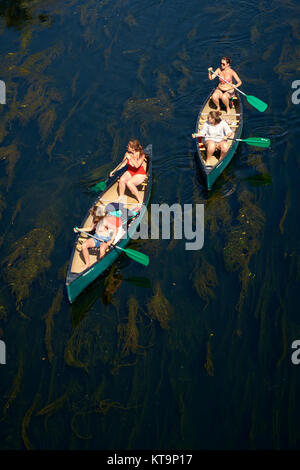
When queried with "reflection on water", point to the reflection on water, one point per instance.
{"points": [[138, 361]]}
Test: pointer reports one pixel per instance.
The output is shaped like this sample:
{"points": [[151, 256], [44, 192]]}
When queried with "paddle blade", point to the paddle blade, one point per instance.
{"points": [[98, 187], [257, 103], [135, 255], [258, 142]]}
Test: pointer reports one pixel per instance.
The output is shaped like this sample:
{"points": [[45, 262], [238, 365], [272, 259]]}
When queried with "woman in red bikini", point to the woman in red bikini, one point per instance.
{"points": [[135, 173], [224, 91]]}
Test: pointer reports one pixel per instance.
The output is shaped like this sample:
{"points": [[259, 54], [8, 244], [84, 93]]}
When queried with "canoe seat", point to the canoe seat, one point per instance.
{"points": [[143, 185]]}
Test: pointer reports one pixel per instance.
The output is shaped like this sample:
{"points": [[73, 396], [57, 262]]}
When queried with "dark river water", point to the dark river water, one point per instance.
{"points": [[194, 351]]}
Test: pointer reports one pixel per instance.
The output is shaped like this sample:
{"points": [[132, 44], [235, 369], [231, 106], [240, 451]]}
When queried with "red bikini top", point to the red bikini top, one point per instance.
{"points": [[228, 79]]}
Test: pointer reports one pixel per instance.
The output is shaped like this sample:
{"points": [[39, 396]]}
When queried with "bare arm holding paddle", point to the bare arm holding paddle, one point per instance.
{"points": [[252, 100], [213, 74], [87, 229], [121, 165], [225, 90]]}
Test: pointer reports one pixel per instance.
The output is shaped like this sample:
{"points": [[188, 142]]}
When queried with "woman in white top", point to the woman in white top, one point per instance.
{"points": [[216, 132]]}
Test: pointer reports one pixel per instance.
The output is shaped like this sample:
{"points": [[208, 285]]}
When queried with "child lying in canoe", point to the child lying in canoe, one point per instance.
{"points": [[106, 227]]}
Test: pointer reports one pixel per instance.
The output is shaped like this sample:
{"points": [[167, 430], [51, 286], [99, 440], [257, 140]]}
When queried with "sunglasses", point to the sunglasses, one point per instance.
{"points": [[223, 63]]}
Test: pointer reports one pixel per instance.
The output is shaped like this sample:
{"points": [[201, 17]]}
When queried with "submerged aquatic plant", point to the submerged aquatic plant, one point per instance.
{"points": [[159, 308], [111, 285], [55, 307], [164, 89], [15, 388], [29, 257], [261, 179], [242, 240], [90, 407], [51, 216], [288, 59], [129, 333], [2, 205], [54, 406], [46, 122], [11, 155], [204, 279], [91, 345], [3, 313], [73, 348], [150, 109], [35, 64], [209, 366], [218, 215], [186, 75], [26, 422], [130, 20], [115, 134]]}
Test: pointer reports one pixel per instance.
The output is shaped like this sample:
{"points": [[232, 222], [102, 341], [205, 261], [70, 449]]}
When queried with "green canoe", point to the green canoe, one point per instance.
{"points": [[79, 278], [235, 121]]}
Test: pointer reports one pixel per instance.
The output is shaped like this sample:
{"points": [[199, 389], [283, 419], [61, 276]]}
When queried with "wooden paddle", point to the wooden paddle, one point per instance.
{"points": [[255, 141], [253, 100], [133, 254]]}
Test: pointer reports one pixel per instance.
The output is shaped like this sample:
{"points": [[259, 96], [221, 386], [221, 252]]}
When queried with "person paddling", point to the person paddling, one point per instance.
{"points": [[106, 227], [224, 91], [135, 174], [216, 132]]}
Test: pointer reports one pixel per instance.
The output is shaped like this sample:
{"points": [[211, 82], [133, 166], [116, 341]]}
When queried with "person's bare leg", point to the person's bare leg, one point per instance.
{"points": [[225, 100], [216, 99], [132, 186], [85, 251], [210, 149], [103, 248], [122, 182], [223, 146]]}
